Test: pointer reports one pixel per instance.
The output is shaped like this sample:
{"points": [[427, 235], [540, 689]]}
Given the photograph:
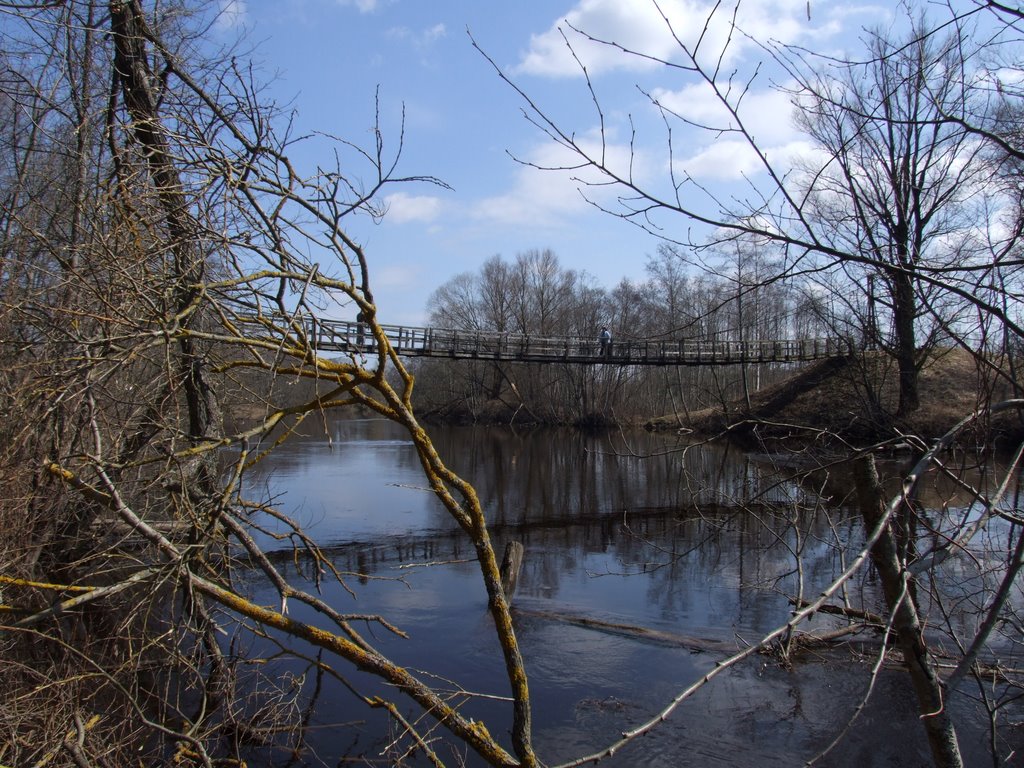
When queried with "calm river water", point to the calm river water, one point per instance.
{"points": [[622, 534]]}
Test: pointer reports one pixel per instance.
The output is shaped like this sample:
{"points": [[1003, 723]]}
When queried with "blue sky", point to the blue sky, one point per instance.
{"points": [[329, 57]]}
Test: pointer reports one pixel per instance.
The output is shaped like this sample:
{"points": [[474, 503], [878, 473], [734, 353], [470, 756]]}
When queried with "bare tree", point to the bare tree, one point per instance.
{"points": [[173, 271], [901, 187]]}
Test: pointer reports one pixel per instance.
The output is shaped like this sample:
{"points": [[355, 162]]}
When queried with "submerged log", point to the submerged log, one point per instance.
{"points": [[694, 644]]}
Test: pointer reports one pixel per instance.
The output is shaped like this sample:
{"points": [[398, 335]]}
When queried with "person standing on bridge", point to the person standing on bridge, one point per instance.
{"points": [[606, 341]]}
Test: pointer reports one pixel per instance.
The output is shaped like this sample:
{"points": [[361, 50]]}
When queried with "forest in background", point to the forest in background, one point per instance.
{"points": [[534, 295]]}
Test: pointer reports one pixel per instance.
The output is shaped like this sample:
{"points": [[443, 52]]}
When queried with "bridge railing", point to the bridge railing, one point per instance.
{"points": [[343, 335]]}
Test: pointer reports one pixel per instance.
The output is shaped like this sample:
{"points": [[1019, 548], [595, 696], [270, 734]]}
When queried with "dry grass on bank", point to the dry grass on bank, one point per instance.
{"points": [[858, 399]]}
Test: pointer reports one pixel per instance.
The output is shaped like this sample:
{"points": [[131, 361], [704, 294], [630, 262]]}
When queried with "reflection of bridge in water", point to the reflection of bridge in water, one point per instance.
{"points": [[756, 527], [355, 337]]}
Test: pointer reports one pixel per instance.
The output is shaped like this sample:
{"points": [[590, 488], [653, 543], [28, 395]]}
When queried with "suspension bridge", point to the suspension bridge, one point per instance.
{"points": [[355, 337]]}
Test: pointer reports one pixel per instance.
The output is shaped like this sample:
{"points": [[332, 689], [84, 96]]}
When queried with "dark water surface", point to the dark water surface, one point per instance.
{"points": [[644, 565]]}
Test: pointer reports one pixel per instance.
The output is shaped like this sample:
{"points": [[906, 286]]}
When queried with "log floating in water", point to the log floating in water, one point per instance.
{"points": [[694, 644]]}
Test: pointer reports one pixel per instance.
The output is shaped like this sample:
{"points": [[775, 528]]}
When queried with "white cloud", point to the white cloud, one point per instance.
{"points": [[404, 208], [436, 32], [409, 275], [724, 160], [728, 160], [364, 6], [231, 14], [634, 24], [766, 114], [547, 189], [420, 39], [638, 25], [533, 201]]}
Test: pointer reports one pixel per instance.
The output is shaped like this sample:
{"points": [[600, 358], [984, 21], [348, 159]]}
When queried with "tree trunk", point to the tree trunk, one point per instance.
{"points": [[903, 311], [899, 598], [131, 64]]}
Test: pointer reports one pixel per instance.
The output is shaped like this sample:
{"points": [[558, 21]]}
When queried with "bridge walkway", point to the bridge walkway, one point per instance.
{"points": [[409, 341]]}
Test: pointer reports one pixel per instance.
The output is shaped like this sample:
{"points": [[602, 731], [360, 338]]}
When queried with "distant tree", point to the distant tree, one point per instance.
{"points": [[669, 295], [542, 293], [497, 285], [535, 296], [456, 304]]}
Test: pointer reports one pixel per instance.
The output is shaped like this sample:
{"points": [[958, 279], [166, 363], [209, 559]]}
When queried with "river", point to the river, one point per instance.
{"points": [[646, 560]]}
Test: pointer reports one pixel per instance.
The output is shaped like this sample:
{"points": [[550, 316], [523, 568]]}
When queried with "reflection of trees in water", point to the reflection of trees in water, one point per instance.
{"points": [[636, 505], [708, 542], [341, 438], [681, 553], [553, 475], [647, 504]]}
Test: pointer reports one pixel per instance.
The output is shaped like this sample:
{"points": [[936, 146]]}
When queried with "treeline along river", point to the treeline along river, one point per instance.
{"points": [[646, 560]]}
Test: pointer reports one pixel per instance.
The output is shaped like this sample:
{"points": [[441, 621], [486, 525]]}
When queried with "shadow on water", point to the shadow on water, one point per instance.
{"points": [[644, 564]]}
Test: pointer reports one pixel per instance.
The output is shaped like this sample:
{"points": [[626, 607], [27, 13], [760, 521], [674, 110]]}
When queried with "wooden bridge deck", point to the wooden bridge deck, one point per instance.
{"points": [[348, 336]]}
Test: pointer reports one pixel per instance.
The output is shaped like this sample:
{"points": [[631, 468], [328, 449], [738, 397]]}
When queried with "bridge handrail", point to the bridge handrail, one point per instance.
{"points": [[502, 344]]}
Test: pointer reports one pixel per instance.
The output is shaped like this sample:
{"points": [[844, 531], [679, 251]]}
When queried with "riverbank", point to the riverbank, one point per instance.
{"points": [[856, 399]]}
